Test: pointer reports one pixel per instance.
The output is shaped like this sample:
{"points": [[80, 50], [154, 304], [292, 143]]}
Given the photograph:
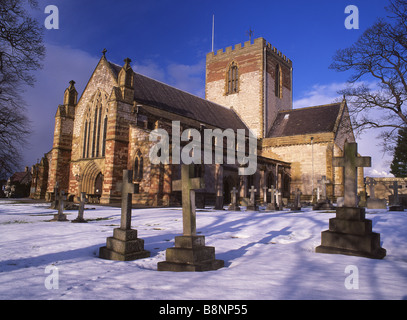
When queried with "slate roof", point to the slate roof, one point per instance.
{"points": [[305, 121], [162, 96]]}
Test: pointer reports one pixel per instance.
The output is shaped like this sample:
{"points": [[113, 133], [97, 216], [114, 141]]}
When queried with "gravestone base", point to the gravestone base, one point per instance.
{"points": [[351, 234], [376, 204], [233, 207], [396, 208], [59, 217], [323, 205], [270, 207], [79, 220], [252, 207], [123, 246], [190, 254]]}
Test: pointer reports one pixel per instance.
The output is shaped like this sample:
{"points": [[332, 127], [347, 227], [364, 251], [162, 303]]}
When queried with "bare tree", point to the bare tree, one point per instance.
{"points": [[21, 52], [377, 89]]}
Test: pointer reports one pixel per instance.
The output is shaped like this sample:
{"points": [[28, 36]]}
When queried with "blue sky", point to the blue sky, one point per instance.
{"points": [[168, 40]]}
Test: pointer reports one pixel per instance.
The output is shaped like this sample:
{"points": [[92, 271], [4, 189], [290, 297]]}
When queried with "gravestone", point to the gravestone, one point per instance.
{"points": [[297, 200], [395, 204], [82, 201], [124, 245], [251, 206], [233, 204], [350, 233], [279, 200], [54, 203], [272, 205], [372, 202], [190, 252], [323, 202], [60, 216]]}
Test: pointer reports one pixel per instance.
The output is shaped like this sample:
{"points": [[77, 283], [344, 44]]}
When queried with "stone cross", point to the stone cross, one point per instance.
{"points": [[55, 205], [371, 183], [264, 196], [188, 185], [128, 188], [324, 181], [252, 195], [233, 194], [350, 163], [271, 190], [81, 208], [395, 188], [60, 216]]}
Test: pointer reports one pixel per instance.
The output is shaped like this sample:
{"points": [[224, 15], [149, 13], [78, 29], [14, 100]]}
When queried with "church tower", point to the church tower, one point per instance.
{"points": [[255, 80]]}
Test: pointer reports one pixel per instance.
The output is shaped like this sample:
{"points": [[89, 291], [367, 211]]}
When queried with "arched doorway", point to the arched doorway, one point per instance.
{"points": [[99, 184], [92, 182]]}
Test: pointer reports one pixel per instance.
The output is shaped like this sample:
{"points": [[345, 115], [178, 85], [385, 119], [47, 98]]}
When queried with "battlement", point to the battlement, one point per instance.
{"points": [[258, 43]]}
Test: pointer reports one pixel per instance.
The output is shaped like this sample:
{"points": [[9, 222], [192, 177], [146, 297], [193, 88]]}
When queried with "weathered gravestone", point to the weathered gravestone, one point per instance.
{"points": [[190, 252], [233, 204], [271, 206], [124, 245], [395, 204], [60, 216], [323, 203], [251, 206], [54, 203], [350, 233], [372, 202], [279, 200], [297, 200], [82, 201]]}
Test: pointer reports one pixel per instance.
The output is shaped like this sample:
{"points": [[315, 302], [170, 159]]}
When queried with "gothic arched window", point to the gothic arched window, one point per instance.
{"points": [[232, 79], [138, 167]]}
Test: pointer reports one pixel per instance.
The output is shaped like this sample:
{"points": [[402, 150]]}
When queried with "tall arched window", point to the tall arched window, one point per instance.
{"points": [[233, 79], [104, 136], [278, 82], [138, 167]]}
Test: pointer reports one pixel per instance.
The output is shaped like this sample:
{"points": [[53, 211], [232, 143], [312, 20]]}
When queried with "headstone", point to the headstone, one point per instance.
{"points": [[233, 204], [190, 252], [297, 200], [279, 200], [272, 205], [82, 201], [124, 245], [323, 202], [54, 204], [60, 216], [251, 206], [395, 204], [350, 233], [264, 196]]}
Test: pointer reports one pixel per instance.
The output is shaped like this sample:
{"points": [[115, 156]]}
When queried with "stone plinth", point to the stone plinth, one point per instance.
{"points": [[123, 246], [190, 254], [376, 203], [350, 233], [323, 204]]}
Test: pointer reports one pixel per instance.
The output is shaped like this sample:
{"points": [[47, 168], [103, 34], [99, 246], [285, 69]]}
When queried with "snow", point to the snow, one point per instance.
{"points": [[268, 255]]}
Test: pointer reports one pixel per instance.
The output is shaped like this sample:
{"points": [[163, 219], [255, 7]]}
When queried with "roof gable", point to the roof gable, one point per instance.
{"points": [[310, 120]]}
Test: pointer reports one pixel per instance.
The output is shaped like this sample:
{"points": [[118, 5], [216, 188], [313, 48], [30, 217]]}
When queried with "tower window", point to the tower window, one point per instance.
{"points": [[278, 82], [233, 79]]}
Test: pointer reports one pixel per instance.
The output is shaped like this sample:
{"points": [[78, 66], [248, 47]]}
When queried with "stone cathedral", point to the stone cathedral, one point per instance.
{"points": [[247, 87]]}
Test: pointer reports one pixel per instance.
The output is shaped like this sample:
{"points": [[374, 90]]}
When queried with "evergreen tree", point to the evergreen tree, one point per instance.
{"points": [[399, 164]]}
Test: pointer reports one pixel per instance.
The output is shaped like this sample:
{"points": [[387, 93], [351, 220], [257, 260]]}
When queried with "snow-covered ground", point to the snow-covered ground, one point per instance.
{"points": [[267, 256]]}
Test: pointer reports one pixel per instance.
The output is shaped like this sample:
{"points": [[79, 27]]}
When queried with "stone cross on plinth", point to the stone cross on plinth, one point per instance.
{"points": [[190, 252], [323, 203], [61, 202], [324, 181], [272, 205], [395, 205], [350, 233], [371, 183], [124, 245], [252, 200], [350, 163], [82, 201], [233, 203]]}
